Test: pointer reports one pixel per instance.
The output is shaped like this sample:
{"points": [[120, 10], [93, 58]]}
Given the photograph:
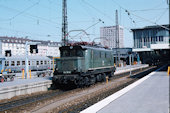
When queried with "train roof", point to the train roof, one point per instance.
{"points": [[2, 57], [85, 47], [29, 57]]}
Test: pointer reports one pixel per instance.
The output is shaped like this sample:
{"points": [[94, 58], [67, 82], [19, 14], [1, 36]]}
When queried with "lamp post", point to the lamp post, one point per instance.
{"points": [[26, 56]]}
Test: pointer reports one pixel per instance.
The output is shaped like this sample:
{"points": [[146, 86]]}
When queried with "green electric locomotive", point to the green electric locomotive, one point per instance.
{"points": [[83, 65]]}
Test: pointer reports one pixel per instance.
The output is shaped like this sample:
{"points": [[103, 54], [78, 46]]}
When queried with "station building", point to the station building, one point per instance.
{"points": [[152, 43], [17, 47], [108, 36]]}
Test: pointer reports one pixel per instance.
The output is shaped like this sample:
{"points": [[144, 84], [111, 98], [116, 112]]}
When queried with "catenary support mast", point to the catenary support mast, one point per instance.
{"points": [[64, 24]]}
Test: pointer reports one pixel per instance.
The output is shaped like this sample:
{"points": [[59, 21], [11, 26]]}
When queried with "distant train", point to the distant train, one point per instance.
{"points": [[83, 65], [155, 57], [17, 63]]}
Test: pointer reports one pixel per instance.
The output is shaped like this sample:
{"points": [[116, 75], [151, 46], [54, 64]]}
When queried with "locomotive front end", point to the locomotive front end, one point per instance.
{"points": [[70, 64]]}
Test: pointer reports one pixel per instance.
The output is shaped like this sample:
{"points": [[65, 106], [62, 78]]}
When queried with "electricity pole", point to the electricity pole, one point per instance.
{"points": [[169, 21], [64, 24], [117, 40]]}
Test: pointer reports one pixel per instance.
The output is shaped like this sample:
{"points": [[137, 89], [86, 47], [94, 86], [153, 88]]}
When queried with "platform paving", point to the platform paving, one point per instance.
{"points": [[150, 96]]}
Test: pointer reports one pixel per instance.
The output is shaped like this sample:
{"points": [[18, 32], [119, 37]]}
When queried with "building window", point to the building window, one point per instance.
{"points": [[6, 63], [161, 38], [29, 63], [12, 63], [45, 62], [18, 63], [23, 62], [41, 62], [37, 62]]}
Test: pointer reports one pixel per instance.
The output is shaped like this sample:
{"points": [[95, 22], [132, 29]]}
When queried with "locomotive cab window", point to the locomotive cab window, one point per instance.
{"points": [[72, 53]]}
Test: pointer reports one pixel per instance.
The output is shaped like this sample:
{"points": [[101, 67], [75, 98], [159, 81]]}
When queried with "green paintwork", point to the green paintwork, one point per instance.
{"points": [[92, 58]]}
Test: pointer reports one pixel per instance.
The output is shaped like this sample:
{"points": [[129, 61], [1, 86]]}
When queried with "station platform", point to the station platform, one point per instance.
{"points": [[147, 95], [19, 86], [36, 84]]}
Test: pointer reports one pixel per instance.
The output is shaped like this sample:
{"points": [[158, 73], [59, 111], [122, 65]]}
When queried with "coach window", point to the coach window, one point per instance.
{"points": [[37, 62], [18, 63], [6, 63], [23, 62], [41, 62], [12, 63]]}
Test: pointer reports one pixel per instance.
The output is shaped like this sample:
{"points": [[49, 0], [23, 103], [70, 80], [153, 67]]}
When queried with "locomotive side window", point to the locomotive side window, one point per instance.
{"points": [[12, 63], [6, 63], [72, 53], [79, 53], [96, 54], [23, 62], [65, 53], [18, 63], [107, 55]]}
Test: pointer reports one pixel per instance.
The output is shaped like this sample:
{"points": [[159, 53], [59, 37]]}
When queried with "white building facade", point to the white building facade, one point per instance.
{"points": [[17, 47], [108, 36]]}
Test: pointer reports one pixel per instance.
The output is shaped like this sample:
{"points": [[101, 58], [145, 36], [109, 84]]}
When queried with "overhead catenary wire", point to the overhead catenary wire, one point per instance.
{"points": [[28, 14], [19, 31], [26, 9], [128, 12], [148, 9]]}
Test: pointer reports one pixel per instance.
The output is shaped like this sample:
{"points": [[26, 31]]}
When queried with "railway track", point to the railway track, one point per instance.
{"points": [[9, 106], [21, 102]]}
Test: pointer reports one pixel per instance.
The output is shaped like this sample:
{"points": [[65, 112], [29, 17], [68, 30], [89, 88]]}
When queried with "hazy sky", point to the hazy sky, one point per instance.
{"points": [[41, 19]]}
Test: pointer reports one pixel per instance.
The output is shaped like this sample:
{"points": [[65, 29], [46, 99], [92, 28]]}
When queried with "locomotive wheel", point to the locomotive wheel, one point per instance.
{"points": [[86, 81], [92, 80], [99, 78], [104, 77], [111, 74]]}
